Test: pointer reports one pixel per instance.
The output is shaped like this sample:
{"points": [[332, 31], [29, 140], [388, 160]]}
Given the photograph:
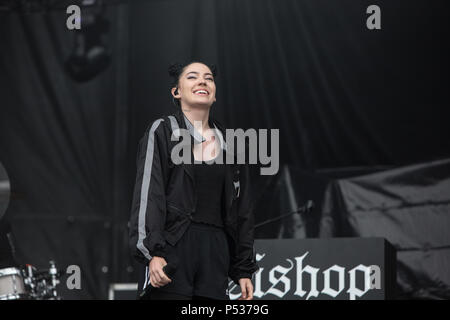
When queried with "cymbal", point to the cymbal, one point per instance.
{"points": [[5, 189]]}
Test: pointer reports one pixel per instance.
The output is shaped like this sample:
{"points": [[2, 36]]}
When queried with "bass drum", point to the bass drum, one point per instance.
{"points": [[12, 286]]}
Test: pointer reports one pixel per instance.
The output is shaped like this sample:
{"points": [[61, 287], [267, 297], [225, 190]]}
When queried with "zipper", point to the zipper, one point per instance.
{"points": [[193, 179], [235, 174]]}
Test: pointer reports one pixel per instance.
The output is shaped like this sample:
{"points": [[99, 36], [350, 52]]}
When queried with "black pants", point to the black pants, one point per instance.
{"points": [[203, 260]]}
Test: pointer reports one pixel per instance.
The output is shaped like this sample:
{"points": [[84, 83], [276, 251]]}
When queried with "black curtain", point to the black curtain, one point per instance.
{"points": [[341, 95], [63, 144]]}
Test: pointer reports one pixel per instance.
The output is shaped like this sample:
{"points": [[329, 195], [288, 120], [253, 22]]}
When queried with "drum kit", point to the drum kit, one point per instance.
{"points": [[29, 284], [25, 283]]}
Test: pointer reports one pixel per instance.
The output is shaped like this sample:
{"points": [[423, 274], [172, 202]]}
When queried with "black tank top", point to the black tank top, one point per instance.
{"points": [[209, 186]]}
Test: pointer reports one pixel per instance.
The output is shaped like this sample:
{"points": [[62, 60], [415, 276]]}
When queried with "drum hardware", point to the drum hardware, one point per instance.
{"points": [[29, 284], [12, 286]]}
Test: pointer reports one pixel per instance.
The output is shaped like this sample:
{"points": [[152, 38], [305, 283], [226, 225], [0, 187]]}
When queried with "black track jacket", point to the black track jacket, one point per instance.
{"points": [[164, 198]]}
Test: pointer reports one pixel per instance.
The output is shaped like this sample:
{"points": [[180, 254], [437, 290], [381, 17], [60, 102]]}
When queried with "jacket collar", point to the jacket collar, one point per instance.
{"points": [[198, 138]]}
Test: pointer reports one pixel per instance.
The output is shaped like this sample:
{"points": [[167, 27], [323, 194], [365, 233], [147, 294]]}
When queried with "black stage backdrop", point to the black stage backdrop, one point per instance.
{"points": [[341, 95]]}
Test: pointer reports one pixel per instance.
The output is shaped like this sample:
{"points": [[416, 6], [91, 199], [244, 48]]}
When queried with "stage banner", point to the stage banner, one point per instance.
{"points": [[323, 269]]}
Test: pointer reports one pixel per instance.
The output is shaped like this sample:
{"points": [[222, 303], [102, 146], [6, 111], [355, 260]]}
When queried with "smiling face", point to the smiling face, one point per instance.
{"points": [[196, 86]]}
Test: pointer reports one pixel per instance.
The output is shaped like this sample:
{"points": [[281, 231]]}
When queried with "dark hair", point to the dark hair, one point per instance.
{"points": [[176, 69]]}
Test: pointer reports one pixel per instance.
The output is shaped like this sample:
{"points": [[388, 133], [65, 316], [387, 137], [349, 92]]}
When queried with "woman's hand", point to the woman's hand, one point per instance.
{"points": [[246, 289], [157, 276]]}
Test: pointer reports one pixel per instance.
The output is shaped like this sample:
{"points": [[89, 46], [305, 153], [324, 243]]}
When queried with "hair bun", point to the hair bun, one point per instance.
{"points": [[175, 69]]}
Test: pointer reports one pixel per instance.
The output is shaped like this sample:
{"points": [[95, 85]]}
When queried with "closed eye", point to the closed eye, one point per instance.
{"points": [[192, 77]]}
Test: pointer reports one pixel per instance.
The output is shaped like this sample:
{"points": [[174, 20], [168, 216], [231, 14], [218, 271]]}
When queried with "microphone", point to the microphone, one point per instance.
{"points": [[306, 208], [169, 269]]}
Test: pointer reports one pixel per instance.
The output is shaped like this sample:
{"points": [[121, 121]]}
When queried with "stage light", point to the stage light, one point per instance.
{"points": [[89, 56]]}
